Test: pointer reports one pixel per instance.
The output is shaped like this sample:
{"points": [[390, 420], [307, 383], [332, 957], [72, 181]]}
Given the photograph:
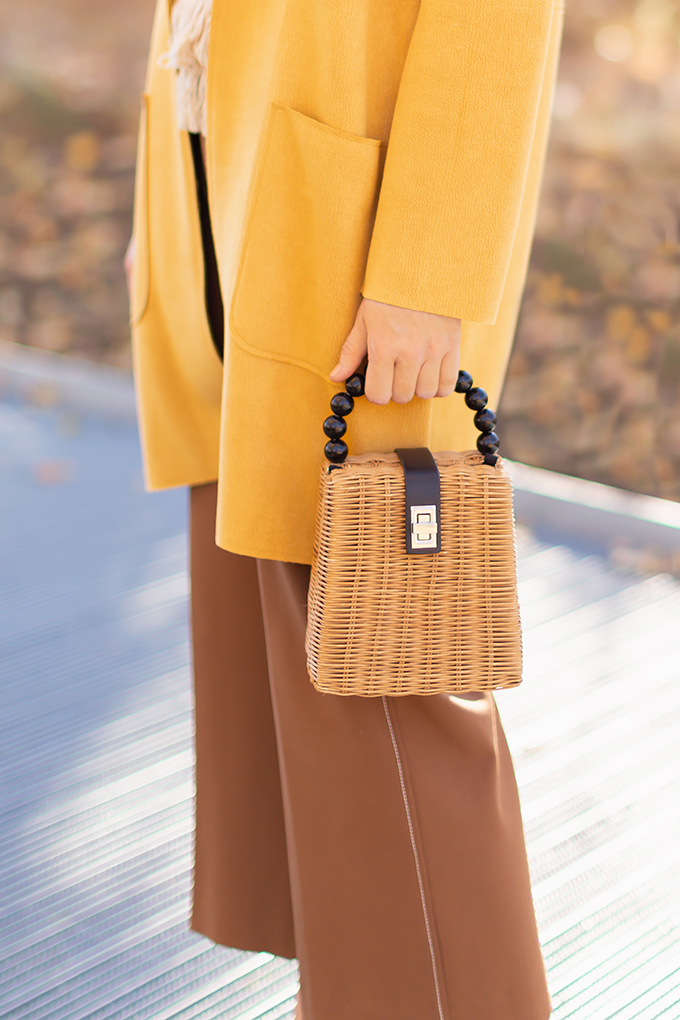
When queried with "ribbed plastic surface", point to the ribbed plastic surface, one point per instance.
{"points": [[95, 819], [595, 732]]}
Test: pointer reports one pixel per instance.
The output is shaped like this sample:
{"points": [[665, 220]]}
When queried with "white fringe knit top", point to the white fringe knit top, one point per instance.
{"points": [[188, 57]]}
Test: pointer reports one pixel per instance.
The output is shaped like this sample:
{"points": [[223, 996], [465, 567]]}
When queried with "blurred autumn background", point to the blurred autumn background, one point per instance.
{"points": [[594, 383], [71, 73]]}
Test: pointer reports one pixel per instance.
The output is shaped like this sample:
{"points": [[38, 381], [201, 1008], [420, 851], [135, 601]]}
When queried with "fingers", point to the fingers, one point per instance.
{"points": [[406, 371], [353, 351], [429, 379], [379, 378], [448, 374], [435, 377], [410, 353]]}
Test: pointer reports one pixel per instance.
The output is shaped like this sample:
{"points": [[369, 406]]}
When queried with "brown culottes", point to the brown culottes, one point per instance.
{"points": [[378, 841]]}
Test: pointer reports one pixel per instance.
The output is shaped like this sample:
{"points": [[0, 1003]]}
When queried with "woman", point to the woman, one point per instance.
{"points": [[372, 178]]}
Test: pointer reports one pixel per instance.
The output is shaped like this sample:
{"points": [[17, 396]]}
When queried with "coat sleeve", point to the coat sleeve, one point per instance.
{"points": [[457, 156]]}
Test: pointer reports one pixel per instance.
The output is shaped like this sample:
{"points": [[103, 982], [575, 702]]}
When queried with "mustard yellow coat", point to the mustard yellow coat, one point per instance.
{"points": [[387, 147]]}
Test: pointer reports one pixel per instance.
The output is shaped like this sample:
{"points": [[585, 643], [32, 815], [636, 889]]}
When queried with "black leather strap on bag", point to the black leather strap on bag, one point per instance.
{"points": [[423, 499], [421, 474]]}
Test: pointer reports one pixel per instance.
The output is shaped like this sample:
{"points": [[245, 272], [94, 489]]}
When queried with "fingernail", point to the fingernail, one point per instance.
{"points": [[335, 370]]}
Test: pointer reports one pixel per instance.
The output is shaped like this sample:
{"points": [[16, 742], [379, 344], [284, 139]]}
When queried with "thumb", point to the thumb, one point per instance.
{"points": [[353, 351]]}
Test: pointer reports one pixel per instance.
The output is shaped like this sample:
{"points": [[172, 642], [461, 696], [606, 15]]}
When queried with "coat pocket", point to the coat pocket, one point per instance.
{"points": [[306, 241], [139, 284]]}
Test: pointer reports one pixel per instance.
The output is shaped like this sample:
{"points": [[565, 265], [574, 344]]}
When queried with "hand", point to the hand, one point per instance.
{"points": [[129, 263], [409, 353]]}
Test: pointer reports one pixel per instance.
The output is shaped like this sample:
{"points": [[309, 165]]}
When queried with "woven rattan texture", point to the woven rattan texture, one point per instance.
{"points": [[384, 622]]}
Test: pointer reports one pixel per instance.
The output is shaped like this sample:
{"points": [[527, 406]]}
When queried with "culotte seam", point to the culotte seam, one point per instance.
{"points": [[416, 859]]}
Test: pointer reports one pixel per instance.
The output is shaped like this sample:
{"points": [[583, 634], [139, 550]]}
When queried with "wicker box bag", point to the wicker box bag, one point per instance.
{"points": [[414, 586]]}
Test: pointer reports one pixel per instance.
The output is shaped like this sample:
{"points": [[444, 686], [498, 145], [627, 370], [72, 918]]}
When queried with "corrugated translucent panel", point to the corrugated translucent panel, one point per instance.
{"points": [[97, 781]]}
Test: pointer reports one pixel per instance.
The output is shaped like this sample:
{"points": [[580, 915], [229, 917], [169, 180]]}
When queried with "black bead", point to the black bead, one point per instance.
{"points": [[356, 384], [485, 420], [335, 427], [336, 451], [476, 398], [488, 442], [464, 382], [342, 404]]}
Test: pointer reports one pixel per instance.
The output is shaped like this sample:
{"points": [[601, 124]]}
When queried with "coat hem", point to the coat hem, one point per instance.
{"points": [[156, 486], [262, 554]]}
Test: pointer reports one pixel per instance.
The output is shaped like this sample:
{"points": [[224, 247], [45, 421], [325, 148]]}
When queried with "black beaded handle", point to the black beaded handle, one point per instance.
{"points": [[342, 404]]}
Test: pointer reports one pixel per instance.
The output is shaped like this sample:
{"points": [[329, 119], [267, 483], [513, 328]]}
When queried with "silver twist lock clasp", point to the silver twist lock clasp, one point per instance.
{"points": [[424, 526]]}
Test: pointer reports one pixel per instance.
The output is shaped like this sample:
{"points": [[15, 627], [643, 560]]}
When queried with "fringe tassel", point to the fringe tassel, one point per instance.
{"points": [[188, 56]]}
